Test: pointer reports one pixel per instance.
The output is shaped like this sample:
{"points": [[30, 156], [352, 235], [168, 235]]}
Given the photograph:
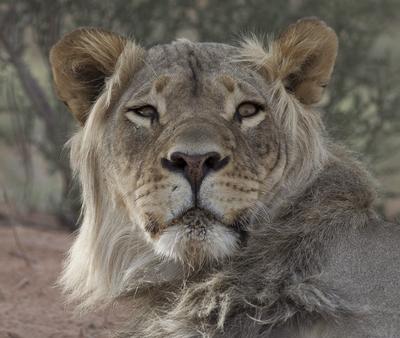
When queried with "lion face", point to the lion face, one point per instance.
{"points": [[191, 145], [185, 147]]}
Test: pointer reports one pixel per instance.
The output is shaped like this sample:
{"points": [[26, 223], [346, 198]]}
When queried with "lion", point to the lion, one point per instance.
{"points": [[213, 200]]}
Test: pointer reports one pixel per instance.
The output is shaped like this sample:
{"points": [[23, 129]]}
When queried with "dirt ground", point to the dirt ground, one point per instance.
{"points": [[31, 306]]}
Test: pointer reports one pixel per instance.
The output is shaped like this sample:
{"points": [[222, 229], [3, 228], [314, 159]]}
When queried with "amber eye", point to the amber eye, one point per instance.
{"points": [[147, 111], [247, 109]]}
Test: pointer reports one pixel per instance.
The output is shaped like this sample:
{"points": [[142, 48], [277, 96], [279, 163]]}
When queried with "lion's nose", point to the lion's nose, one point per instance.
{"points": [[194, 167]]}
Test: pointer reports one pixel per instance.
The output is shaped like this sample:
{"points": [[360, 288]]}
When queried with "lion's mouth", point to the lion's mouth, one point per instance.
{"points": [[196, 222], [196, 217]]}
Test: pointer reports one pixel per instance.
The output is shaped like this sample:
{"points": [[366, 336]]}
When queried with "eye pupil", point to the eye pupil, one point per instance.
{"points": [[247, 109], [147, 111]]}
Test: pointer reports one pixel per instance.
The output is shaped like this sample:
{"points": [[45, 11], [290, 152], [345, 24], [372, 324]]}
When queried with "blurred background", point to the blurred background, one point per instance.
{"points": [[361, 107]]}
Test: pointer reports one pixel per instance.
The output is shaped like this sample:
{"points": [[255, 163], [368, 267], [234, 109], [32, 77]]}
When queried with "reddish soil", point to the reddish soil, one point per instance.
{"points": [[31, 306]]}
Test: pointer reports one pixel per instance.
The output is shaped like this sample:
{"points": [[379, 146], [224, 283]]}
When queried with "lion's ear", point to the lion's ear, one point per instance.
{"points": [[303, 57], [81, 61]]}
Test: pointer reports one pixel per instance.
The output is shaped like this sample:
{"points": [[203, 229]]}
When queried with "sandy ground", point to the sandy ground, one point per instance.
{"points": [[30, 304]]}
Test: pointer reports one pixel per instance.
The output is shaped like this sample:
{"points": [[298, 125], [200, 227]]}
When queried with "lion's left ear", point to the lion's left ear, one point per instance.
{"points": [[303, 57], [81, 61]]}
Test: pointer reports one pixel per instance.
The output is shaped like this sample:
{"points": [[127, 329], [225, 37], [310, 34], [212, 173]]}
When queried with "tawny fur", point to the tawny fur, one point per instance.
{"points": [[296, 198]]}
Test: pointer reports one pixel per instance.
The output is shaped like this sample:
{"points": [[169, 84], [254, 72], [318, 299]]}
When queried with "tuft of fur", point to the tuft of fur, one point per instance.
{"points": [[85, 278]]}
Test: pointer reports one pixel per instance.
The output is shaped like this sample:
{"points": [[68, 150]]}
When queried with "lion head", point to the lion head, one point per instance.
{"points": [[182, 147]]}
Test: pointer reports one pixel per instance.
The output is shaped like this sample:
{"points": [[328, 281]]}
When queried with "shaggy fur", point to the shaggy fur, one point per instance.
{"points": [[274, 244]]}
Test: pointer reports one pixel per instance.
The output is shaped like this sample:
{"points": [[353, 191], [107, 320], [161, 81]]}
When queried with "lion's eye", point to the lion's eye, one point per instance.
{"points": [[247, 109], [148, 112]]}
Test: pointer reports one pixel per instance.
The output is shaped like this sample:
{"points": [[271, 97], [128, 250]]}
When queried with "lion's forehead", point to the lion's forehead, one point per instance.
{"points": [[204, 57], [198, 63], [194, 71]]}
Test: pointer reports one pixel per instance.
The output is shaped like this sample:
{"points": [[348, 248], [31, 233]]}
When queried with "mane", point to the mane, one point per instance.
{"points": [[107, 254]]}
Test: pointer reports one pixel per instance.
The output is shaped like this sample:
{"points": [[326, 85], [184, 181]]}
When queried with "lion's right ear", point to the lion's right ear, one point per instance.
{"points": [[81, 61], [302, 57]]}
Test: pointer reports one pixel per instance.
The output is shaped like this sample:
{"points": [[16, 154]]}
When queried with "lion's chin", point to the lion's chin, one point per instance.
{"points": [[197, 237]]}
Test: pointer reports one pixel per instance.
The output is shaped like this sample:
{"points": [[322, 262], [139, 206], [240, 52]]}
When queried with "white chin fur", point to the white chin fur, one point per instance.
{"points": [[179, 243]]}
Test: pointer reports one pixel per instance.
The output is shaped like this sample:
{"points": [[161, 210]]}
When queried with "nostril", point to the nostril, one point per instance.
{"points": [[215, 163], [173, 164], [212, 160], [178, 161]]}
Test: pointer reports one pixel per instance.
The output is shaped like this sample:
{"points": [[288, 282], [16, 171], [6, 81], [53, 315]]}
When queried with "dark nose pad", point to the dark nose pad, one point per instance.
{"points": [[194, 167]]}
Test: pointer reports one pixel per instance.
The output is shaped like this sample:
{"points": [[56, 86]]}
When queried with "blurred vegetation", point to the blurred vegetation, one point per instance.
{"points": [[361, 108]]}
